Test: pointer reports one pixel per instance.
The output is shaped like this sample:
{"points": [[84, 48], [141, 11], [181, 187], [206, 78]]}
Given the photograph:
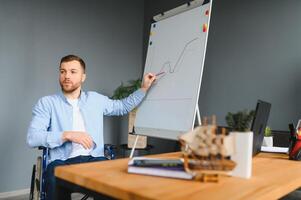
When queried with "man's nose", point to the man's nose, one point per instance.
{"points": [[67, 75]]}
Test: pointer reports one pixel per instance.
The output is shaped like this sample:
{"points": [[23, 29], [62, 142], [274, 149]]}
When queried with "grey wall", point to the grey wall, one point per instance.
{"points": [[253, 53], [34, 35]]}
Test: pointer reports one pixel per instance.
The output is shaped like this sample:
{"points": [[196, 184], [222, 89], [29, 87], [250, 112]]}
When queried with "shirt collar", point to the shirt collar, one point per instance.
{"points": [[81, 100]]}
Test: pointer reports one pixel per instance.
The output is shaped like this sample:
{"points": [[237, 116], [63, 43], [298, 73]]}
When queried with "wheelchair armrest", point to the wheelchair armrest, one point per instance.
{"points": [[44, 155], [42, 148]]}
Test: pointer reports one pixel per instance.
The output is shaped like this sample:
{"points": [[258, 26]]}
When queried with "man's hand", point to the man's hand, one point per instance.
{"points": [[148, 80], [78, 137]]}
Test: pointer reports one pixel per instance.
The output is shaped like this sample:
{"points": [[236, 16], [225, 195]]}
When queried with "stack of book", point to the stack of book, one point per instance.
{"points": [[173, 168]]}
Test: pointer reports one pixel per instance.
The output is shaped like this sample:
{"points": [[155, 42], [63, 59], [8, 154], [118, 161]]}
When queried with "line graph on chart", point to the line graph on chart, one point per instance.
{"points": [[167, 66], [172, 68]]}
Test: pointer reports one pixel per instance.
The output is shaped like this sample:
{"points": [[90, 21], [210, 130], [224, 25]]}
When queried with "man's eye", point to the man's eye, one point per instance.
{"points": [[73, 72]]}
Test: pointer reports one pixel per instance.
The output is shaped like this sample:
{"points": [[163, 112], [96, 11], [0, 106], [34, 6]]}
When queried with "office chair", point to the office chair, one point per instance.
{"points": [[37, 186]]}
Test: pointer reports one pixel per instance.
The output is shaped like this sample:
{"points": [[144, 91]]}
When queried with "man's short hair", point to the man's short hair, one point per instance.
{"points": [[69, 58]]}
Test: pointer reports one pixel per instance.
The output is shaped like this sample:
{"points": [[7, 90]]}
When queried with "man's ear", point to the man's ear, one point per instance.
{"points": [[84, 78]]}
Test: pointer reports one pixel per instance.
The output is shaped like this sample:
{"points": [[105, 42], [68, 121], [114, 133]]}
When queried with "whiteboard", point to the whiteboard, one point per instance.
{"points": [[177, 47]]}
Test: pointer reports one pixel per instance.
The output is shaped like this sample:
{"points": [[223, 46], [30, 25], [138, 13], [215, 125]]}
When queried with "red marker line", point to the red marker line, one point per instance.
{"points": [[160, 73]]}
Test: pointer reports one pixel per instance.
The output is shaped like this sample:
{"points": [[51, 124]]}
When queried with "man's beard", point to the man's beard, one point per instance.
{"points": [[69, 89]]}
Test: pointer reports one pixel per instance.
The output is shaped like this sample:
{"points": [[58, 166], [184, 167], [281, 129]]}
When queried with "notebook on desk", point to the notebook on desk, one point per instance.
{"points": [[158, 167]]}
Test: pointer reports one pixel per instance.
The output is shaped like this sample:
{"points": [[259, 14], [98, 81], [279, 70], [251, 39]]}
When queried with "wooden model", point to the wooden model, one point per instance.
{"points": [[206, 151]]}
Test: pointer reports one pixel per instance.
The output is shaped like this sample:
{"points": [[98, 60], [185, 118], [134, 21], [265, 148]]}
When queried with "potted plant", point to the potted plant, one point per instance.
{"points": [[124, 91], [268, 137], [239, 124]]}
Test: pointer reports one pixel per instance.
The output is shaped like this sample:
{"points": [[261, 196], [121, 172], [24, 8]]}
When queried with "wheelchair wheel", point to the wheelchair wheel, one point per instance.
{"points": [[32, 182]]}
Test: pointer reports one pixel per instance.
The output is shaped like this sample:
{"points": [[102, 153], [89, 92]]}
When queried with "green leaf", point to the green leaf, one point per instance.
{"points": [[240, 121], [124, 91]]}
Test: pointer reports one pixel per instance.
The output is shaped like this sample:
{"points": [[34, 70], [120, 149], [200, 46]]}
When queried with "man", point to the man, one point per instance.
{"points": [[70, 123]]}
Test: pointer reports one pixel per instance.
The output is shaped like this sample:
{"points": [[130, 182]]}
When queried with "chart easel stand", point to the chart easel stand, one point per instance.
{"points": [[199, 122]]}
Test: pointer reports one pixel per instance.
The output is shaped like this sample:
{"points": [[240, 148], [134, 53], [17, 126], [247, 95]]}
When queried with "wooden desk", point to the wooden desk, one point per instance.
{"points": [[273, 176]]}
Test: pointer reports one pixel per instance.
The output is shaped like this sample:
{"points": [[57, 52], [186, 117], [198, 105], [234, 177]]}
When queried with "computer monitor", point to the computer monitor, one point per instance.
{"points": [[259, 123]]}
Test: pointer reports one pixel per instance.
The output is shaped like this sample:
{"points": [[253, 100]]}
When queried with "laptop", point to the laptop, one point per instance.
{"points": [[259, 123]]}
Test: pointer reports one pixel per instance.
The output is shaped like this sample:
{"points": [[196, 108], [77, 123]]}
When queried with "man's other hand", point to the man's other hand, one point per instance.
{"points": [[148, 80], [78, 137]]}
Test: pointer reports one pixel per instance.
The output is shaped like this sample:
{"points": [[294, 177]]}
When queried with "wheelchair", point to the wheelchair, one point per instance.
{"points": [[37, 186]]}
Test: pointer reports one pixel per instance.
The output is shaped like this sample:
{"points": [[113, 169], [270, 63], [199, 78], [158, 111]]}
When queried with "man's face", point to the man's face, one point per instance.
{"points": [[71, 76]]}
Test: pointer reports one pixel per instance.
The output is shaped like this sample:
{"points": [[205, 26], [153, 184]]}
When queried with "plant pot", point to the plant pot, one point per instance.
{"points": [[132, 117], [242, 154], [267, 141], [142, 140]]}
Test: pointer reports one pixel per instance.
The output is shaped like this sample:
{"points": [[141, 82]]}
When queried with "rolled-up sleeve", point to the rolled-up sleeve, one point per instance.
{"points": [[38, 132], [123, 106]]}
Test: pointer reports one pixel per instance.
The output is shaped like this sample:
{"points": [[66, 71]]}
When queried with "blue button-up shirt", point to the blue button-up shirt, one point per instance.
{"points": [[52, 115]]}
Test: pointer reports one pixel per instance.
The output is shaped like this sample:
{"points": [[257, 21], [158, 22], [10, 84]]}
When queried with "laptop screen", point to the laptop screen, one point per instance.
{"points": [[259, 123]]}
